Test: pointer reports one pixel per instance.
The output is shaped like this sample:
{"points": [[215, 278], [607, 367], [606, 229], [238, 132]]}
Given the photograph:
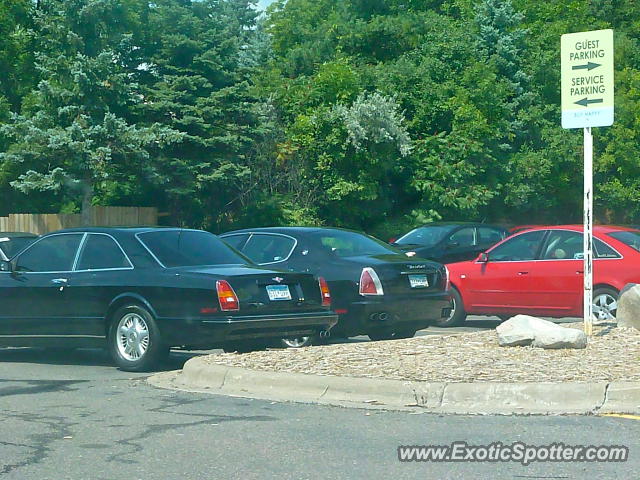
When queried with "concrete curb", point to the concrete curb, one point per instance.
{"points": [[459, 398]]}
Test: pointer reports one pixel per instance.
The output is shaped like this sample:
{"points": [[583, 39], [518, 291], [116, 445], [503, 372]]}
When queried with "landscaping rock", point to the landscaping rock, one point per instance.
{"points": [[611, 356], [516, 331], [559, 337], [526, 330], [628, 314]]}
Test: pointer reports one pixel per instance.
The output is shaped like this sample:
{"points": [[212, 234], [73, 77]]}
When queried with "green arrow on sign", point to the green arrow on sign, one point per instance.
{"points": [[586, 102], [589, 66]]}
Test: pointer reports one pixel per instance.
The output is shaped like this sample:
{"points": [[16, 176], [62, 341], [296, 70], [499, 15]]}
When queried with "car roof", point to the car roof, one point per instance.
{"points": [[460, 224], [289, 230], [130, 230], [18, 235], [578, 228]]}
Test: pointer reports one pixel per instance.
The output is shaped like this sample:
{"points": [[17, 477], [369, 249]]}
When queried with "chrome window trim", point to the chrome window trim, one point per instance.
{"points": [[83, 234], [614, 238], [463, 227], [274, 234], [620, 256], [248, 234], [153, 255], [52, 336], [516, 235], [548, 232], [81, 250], [137, 235]]}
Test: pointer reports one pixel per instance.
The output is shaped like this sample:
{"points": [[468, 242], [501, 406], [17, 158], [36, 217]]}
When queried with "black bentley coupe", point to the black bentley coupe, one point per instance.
{"points": [[376, 289], [144, 290]]}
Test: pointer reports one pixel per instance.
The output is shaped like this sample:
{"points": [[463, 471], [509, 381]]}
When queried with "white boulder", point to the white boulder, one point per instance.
{"points": [[515, 331], [527, 330], [628, 314]]}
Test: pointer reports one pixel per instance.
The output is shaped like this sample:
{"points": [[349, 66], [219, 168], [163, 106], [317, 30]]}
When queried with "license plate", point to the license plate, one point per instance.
{"points": [[278, 292], [418, 281]]}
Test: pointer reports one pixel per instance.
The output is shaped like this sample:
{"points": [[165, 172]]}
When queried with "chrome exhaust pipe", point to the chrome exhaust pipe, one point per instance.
{"points": [[325, 333]]}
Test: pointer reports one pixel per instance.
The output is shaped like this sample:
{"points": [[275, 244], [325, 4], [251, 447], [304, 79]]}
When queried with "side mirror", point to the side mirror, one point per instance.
{"points": [[5, 266], [483, 257], [392, 240]]}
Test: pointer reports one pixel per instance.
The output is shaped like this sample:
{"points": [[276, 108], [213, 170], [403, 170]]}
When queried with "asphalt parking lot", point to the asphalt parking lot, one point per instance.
{"points": [[72, 415]]}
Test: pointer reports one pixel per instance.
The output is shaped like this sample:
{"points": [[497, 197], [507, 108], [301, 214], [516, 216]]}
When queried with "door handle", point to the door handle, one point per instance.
{"points": [[523, 273], [579, 272], [59, 281]]}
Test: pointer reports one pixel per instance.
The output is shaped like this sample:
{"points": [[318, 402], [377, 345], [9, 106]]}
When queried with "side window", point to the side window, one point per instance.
{"points": [[602, 250], [520, 248], [236, 241], [563, 245], [263, 248], [464, 237], [51, 254], [100, 252], [489, 236]]}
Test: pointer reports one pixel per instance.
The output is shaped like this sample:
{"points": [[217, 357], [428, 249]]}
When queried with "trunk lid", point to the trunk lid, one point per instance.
{"points": [[262, 290], [402, 275]]}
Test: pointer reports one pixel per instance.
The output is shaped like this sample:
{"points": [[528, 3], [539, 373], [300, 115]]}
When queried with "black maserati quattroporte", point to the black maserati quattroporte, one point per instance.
{"points": [[144, 290], [376, 289]]}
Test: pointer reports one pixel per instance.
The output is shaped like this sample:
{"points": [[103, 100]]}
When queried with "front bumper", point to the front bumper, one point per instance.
{"points": [[406, 311], [211, 332]]}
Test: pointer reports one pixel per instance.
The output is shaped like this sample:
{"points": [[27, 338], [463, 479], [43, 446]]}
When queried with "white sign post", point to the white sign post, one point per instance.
{"points": [[587, 101]]}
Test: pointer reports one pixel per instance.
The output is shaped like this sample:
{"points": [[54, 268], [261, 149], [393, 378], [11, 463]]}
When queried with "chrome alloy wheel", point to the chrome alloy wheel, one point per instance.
{"points": [[132, 337], [453, 309], [605, 306], [296, 342]]}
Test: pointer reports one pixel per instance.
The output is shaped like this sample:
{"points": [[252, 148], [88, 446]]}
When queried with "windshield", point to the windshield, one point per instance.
{"points": [[350, 244], [632, 239], [185, 248], [12, 246], [428, 236]]}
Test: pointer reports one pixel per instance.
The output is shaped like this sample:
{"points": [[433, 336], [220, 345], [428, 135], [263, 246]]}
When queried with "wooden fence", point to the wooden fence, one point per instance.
{"points": [[40, 223]]}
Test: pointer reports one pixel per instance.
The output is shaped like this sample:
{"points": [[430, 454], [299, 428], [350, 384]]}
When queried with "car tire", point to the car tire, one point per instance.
{"points": [[605, 303], [297, 342], [457, 316], [243, 347], [134, 340], [380, 335]]}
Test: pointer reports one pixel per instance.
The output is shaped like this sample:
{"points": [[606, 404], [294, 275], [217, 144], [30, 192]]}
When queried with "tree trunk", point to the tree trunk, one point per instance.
{"points": [[86, 217]]}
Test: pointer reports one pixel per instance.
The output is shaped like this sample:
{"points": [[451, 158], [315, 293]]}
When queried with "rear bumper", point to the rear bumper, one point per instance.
{"points": [[214, 332], [410, 311]]}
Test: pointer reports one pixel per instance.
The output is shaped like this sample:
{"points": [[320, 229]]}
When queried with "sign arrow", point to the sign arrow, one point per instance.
{"points": [[589, 66], [585, 102]]}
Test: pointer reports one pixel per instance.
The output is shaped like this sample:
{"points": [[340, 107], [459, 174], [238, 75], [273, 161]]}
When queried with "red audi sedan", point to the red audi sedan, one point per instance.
{"points": [[540, 272]]}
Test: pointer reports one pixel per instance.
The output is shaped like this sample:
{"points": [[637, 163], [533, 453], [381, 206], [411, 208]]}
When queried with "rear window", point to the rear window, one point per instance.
{"points": [[268, 248], [351, 244], [185, 248], [632, 239]]}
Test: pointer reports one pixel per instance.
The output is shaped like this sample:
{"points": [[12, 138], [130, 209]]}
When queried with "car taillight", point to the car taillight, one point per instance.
{"points": [[324, 292], [370, 283], [227, 297]]}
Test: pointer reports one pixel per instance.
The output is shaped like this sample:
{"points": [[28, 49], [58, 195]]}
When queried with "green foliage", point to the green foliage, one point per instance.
{"points": [[372, 114]]}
